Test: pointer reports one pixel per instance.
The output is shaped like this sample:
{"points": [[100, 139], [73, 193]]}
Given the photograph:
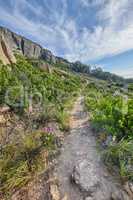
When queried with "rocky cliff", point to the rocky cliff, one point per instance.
{"points": [[11, 42]]}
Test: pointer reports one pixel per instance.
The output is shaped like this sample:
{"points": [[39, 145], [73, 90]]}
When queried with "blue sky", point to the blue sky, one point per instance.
{"points": [[93, 31]]}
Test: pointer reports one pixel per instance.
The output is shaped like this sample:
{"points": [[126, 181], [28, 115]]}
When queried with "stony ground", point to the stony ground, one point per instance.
{"points": [[80, 171]]}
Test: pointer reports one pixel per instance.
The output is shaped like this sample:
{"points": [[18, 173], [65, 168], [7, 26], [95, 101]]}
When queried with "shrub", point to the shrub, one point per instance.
{"points": [[121, 155], [20, 161], [112, 116]]}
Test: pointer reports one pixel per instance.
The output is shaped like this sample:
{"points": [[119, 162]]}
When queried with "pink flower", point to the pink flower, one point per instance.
{"points": [[48, 129]]}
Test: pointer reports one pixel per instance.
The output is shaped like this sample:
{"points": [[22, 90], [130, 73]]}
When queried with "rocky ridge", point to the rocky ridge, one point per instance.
{"points": [[11, 42]]}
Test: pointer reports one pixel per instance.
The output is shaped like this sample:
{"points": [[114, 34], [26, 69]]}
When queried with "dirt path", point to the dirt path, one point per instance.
{"points": [[80, 171]]}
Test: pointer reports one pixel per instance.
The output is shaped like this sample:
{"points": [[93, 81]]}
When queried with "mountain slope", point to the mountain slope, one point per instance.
{"points": [[11, 43], [15, 42]]}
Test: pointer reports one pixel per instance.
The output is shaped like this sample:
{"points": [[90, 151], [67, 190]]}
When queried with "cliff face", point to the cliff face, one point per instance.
{"points": [[10, 42], [6, 53]]}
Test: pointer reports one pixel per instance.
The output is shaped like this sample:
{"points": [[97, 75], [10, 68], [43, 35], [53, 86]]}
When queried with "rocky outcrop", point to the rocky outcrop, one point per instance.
{"points": [[95, 183], [6, 53], [85, 175], [48, 56], [11, 42]]}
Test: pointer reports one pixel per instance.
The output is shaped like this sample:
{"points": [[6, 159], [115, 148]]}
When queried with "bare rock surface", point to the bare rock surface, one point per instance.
{"points": [[10, 41]]}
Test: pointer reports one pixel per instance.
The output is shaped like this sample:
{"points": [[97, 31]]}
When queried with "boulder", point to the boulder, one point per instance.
{"points": [[92, 182], [85, 176]]}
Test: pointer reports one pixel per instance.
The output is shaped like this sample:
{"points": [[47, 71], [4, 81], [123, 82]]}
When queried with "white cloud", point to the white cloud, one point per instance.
{"points": [[91, 3], [112, 36], [45, 33], [55, 29], [126, 72]]}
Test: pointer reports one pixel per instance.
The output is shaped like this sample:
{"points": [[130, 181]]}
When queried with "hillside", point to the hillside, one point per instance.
{"points": [[62, 124], [11, 43], [33, 115]]}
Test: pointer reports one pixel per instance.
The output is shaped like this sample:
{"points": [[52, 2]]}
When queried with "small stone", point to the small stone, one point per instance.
{"points": [[65, 197], [89, 198], [119, 194], [128, 188], [2, 119], [131, 186], [54, 192]]}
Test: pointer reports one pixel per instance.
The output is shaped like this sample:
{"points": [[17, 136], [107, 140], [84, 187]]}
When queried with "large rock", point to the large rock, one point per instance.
{"points": [[19, 43], [87, 180], [48, 56], [10, 42], [95, 184], [6, 54]]}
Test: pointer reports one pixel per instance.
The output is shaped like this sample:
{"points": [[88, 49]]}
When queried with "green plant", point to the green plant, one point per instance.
{"points": [[113, 116], [121, 155], [20, 161], [34, 97]]}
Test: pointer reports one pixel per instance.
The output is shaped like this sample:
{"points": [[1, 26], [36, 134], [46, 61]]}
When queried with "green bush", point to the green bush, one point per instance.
{"points": [[20, 85], [112, 115], [121, 155], [19, 161]]}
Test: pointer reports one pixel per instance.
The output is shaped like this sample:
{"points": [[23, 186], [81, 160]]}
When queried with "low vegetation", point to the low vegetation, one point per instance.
{"points": [[35, 97], [20, 161], [111, 110]]}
